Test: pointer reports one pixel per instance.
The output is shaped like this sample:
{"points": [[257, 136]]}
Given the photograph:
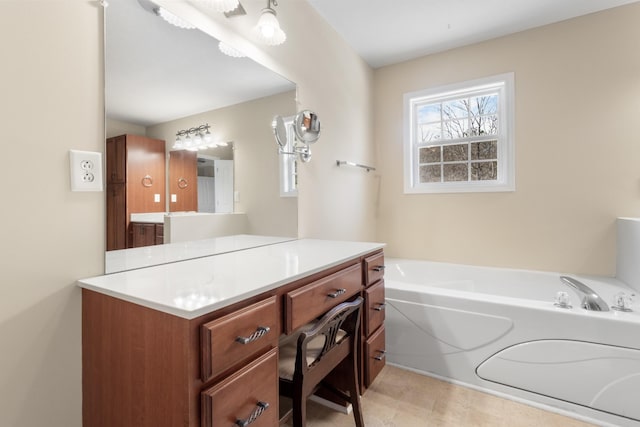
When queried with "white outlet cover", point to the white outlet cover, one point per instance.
{"points": [[85, 168]]}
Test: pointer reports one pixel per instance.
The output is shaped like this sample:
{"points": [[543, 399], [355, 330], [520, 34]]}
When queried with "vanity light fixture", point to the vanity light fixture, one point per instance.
{"points": [[173, 19], [268, 30], [193, 139]]}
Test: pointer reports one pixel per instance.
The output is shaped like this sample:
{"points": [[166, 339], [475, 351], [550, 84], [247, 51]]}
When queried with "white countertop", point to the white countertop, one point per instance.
{"points": [[147, 256], [151, 217], [195, 287]]}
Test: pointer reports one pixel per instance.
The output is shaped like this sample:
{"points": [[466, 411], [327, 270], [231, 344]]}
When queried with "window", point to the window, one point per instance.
{"points": [[459, 138], [288, 163]]}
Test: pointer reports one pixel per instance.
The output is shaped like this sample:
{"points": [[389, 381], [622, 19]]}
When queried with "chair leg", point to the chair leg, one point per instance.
{"points": [[354, 394], [299, 406]]}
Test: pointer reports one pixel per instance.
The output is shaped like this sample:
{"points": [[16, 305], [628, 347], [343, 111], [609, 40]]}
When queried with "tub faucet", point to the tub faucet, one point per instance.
{"points": [[591, 300]]}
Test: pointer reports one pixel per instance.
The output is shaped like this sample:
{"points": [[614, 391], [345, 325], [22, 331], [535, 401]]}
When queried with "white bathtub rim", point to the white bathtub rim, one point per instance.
{"points": [[518, 399], [392, 284]]}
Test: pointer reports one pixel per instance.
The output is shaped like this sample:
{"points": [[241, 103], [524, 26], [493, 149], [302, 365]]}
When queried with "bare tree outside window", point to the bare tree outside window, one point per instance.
{"points": [[447, 125]]}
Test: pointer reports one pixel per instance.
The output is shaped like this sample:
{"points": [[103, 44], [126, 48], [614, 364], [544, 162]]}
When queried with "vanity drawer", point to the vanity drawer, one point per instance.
{"points": [[238, 336], [373, 268], [248, 393], [374, 350], [375, 304], [310, 301]]}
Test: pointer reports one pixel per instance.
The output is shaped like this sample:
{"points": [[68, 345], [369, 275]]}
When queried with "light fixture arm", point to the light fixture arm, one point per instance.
{"points": [[199, 129]]}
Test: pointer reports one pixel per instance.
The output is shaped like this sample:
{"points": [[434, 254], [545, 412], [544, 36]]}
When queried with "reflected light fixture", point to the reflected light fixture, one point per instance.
{"points": [[230, 50], [173, 19], [219, 5], [194, 139], [268, 30]]}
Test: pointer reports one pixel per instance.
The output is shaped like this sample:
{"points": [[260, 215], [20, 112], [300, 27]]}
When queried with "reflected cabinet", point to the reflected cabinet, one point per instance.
{"points": [[135, 175]]}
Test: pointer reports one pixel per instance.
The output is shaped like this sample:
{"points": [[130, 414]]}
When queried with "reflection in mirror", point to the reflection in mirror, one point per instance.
{"points": [[161, 79], [307, 126]]}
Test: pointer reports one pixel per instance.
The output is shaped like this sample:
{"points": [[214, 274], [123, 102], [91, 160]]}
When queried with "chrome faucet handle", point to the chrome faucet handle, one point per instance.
{"points": [[562, 300], [622, 302]]}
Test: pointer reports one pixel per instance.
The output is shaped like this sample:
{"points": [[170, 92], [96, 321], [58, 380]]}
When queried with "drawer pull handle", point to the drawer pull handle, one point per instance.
{"points": [[379, 267], [380, 307], [381, 355], [259, 333], [337, 293], [261, 407]]}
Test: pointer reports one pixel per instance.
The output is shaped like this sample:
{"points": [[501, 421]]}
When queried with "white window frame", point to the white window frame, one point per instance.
{"points": [[288, 163], [504, 85]]}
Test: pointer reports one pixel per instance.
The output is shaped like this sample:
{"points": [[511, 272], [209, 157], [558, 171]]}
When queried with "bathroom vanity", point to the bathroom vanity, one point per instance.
{"points": [[195, 343]]}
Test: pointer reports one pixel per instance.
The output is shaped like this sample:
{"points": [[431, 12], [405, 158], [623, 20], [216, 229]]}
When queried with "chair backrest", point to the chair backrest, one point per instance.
{"points": [[340, 327]]}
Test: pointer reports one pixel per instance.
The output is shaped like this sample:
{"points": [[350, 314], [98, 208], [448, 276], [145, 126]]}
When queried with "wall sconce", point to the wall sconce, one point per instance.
{"points": [[194, 139], [306, 127], [268, 30]]}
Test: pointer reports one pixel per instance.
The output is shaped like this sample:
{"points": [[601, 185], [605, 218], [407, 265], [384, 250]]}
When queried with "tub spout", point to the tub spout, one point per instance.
{"points": [[591, 300]]}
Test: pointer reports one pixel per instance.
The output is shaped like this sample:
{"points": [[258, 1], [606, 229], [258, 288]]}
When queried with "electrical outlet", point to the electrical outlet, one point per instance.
{"points": [[85, 168]]}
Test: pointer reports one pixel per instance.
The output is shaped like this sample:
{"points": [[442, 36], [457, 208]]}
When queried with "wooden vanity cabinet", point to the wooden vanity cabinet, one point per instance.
{"points": [[142, 367], [373, 338], [135, 175], [145, 234]]}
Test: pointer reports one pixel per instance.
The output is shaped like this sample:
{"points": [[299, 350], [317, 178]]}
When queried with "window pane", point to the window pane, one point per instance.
{"points": [[486, 104], [455, 153], [429, 113], [453, 129], [456, 172], [430, 154], [430, 132], [430, 173], [455, 109], [484, 150], [484, 171]]}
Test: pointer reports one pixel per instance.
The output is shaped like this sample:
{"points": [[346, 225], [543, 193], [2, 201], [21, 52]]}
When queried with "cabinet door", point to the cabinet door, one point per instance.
{"points": [[183, 181], [116, 160], [145, 174], [142, 234]]}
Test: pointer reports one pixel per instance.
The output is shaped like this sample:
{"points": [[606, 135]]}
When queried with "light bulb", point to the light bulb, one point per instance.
{"points": [[208, 137], [268, 30], [188, 142]]}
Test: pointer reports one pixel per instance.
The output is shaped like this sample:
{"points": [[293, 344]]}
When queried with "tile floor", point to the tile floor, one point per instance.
{"points": [[401, 398]]}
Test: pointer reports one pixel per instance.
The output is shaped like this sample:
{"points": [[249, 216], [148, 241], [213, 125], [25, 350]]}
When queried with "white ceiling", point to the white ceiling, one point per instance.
{"points": [[385, 32], [155, 72]]}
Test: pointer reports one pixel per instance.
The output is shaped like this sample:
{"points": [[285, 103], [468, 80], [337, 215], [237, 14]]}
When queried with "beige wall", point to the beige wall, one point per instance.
{"points": [[51, 101], [256, 168], [118, 127], [577, 88], [335, 203]]}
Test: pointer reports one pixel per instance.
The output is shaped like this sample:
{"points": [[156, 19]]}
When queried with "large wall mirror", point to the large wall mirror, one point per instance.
{"points": [[161, 79]]}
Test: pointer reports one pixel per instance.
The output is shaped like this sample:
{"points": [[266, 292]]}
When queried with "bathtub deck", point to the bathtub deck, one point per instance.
{"points": [[400, 398]]}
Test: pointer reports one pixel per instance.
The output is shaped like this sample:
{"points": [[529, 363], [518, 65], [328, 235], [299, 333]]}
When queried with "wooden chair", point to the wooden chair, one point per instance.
{"points": [[309, 355]]}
